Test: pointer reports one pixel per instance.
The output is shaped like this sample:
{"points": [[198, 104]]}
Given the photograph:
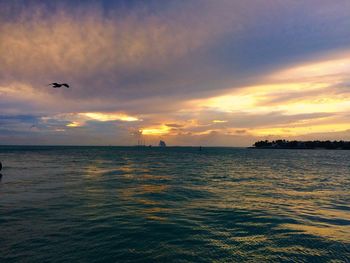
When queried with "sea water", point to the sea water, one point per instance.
{"points": [[138, 204]]}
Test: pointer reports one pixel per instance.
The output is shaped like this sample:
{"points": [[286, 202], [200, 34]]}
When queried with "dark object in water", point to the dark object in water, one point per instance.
{"points": [[0, 166], [162, 143]]}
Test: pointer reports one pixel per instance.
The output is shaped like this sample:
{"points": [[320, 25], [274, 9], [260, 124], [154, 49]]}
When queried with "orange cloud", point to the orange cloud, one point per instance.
{"points": [[99, 116], [159, 130]]}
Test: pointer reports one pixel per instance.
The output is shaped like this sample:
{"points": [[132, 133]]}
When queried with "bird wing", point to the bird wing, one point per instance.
{"points": [[54, 84], [65, 84]]}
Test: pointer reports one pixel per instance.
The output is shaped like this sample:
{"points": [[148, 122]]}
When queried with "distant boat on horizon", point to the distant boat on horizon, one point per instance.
{"points": [[162, 143]]}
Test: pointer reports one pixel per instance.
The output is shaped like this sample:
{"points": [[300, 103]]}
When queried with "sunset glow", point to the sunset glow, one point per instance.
{"points": [[155, 130], [190, 75], [73, 124], [109, 116]]}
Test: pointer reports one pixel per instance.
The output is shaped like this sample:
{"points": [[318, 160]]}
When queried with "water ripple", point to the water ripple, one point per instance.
{"points": [[119, 204]]}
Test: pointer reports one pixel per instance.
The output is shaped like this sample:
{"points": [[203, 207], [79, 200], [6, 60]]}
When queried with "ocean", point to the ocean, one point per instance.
{"points": [[174, 204]]}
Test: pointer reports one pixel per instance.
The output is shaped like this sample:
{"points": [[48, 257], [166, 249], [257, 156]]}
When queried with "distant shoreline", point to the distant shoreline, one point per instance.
{"points": [[302, 145]]}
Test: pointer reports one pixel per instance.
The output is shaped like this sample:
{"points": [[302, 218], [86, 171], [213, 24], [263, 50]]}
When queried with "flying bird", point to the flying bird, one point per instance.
{"points": [[58, 85]]}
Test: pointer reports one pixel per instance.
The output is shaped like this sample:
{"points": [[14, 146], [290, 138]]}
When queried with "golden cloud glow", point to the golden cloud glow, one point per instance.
{"points": [[219, 121], [74, 124], [251, 99], [310, 88], [297, 131], [98, 116], [226, 103], [161, 130]]}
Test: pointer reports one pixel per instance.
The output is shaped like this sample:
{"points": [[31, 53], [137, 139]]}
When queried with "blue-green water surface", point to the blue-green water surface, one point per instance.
{"points": [[129, 204]]}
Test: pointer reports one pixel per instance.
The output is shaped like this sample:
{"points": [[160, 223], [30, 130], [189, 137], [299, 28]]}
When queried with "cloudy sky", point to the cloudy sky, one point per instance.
{"points": [[198, 72]]}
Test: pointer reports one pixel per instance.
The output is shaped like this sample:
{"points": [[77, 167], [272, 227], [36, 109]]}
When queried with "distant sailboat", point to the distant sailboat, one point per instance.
{"points": [[141, 142], [162, 143]]}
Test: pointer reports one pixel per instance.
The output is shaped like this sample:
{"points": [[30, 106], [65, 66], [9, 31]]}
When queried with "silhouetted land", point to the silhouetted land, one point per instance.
{"points": [[284, 144]]}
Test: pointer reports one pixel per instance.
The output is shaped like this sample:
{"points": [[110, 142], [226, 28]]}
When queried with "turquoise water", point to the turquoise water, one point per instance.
{"points": [[115, 204]]}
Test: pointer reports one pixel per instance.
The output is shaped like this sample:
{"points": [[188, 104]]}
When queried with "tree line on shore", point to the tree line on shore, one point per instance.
{"points": [[284, 144]]}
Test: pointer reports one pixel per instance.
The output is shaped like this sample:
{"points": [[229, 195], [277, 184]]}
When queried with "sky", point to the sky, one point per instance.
{"points": [[195, 72]]}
